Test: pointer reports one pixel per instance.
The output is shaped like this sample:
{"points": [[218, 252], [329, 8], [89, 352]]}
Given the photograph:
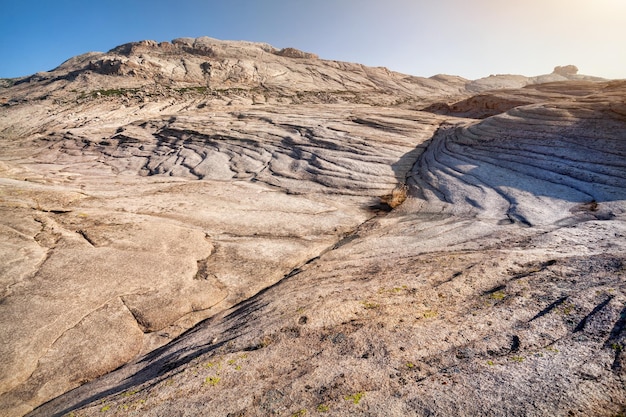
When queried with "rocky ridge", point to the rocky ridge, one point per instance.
{"points": [[359, 241]]}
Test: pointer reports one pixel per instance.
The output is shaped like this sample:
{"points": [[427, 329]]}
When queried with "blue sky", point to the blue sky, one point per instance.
{"points": [[471, 38]]}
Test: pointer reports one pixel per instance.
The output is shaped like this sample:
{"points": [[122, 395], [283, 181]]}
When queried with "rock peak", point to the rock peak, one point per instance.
{"points": [[566, 70]]}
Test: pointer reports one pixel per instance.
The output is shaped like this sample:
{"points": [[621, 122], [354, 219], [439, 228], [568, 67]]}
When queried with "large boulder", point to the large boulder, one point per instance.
{"points": [[566, 70]]}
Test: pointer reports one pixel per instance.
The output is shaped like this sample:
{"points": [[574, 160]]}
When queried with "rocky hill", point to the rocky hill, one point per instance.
{"points": [[206, 227]]}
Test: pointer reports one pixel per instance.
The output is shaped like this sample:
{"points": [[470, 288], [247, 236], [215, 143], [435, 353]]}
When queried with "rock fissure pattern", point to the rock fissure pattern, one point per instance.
{"points": [[255, 231]]}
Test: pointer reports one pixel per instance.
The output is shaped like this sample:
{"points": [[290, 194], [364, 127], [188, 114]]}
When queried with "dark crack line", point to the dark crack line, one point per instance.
{"points": [[583, 322], [86, 237]]}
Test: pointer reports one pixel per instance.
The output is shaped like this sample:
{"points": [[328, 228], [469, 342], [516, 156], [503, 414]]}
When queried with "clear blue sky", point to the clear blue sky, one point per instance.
{"points": [[471, 38]]}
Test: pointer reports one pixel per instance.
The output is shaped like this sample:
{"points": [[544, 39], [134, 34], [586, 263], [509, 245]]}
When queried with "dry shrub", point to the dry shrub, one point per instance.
{"points": [[397, 196]]}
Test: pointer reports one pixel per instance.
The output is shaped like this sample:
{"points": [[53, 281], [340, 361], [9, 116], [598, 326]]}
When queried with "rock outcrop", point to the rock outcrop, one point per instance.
{"points": [[243, 71], [509, 81], [295, 53], [254, 231], [566, 70]]}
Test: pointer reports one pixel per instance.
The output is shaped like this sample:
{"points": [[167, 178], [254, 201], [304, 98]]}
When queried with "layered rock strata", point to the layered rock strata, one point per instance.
{"points": [[262, 221]]}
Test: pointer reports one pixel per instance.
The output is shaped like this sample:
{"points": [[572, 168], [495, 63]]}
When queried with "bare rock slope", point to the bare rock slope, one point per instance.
{"points": [[261, 232]]}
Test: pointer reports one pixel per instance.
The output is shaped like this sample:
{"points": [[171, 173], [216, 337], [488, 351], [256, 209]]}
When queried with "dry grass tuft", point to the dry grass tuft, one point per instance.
{"points": [[397, 197]]}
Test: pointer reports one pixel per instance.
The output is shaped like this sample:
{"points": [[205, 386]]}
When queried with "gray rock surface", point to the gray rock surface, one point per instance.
{"points": [[262, 232]]}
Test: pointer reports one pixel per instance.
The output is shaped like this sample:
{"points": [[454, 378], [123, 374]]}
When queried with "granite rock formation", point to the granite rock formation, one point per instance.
{"points": [[254, 231]]}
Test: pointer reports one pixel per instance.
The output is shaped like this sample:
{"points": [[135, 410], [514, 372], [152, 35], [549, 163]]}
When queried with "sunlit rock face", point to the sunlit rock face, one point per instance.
{"points": [[528, 165], [255, 231]]}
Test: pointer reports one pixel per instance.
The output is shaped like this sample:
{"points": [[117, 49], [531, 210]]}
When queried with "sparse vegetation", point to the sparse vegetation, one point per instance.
{"points": [[397, 197], [299, 413], [567, 308], [428, 314], [498, 295], [212, 380], [217, 365], [265, 342], [518, 359], [197, 89], [323, 408], [7, 82], [394, 290], [369, 305], [114, 92], [233, 362], [355, 398]]}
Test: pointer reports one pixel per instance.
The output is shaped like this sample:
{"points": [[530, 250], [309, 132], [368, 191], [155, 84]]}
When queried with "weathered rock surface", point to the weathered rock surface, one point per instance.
{"points": [[505, 81], [566, 70], [237, 72], [158, 185]]}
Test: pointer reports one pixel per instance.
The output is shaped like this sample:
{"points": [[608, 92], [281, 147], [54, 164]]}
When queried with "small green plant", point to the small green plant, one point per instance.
{"points": [[410, 365], [114, 92], [105, 408], [213, 364], [197, 89], [129, 393], [552, 349], [518, 359], [394, 290], [370, 306], [428, 314], [490, 363], [265, 342], [135, 405], [323, 408], [212, 380], [617, 347], [6, 82], [299, 413], [355, 398], [498, 295], [567, 308]]}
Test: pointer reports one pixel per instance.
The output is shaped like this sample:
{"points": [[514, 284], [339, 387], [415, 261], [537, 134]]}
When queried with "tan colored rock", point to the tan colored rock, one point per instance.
{"points": [[295, 53], [279, 234], [566, 70], [96, 345]]}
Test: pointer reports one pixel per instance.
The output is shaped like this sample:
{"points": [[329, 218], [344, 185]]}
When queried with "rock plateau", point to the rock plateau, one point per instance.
{"points": [[209, 227]]}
